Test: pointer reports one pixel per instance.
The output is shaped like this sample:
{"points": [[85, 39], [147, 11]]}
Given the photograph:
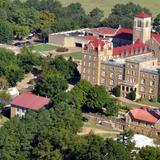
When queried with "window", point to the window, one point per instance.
{"points": [[111, 82], [151, 90], [139, 24], [142, 89], [151, 83], [142, 81], [120, 77], [136, 51], [89, 64], [18, 110], [84, 63], [84, 70], [132, 52], [102, 80], [111, 75], [103, 73], [147, 23]]}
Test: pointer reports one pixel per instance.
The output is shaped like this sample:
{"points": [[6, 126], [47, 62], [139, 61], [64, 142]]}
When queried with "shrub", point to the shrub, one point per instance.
{"points": [[132, 95], [116, 91], [61, 49]]}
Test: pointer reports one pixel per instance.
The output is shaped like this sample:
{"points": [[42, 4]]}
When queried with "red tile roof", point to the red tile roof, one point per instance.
{"points": [[124, 30], [103, 30], [130, 48], [143, 115], [88, 38], [156, 37], [97, 43], [142, 15], [30, 101]]}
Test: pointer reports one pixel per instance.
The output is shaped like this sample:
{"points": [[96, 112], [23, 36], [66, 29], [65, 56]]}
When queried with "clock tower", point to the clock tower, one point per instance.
{"points": [[142, 27]]}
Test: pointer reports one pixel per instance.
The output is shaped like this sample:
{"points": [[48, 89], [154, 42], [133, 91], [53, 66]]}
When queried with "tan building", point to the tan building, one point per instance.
{"points": [[133, 67], [27, 101], [143, 121]]}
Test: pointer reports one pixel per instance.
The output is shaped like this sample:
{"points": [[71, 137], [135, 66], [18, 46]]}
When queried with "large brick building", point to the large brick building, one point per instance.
{"points": [[131, 60]]}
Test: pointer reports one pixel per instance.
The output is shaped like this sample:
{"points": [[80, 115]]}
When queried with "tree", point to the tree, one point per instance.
{"points": [[126, 138], [20, 31], [27, 59], [132, 95], [46, 20], [113, 151], [156, 23], [96, 98], [67, 68], [3, 83], [4, 99], [148, 153], [14, 74], [111, 108], [116, 91], [122, 14], [6, 33], [96, 15], [50, 84]]}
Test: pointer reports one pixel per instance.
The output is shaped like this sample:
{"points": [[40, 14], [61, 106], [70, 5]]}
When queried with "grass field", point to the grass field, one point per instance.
{"points": [[44, 47], [106, 5], [147, 102], [75, 55], [100, 130]]}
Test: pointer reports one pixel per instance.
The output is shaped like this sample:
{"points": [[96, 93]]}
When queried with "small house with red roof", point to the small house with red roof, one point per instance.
{"points": [[144, 120], [27, 101]]}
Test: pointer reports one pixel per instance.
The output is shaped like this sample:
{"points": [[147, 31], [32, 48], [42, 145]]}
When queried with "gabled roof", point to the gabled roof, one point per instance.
{"points": [[96, 44], [142, 15], [143, 115], [137, 46], [30, 101], [103, 30]]}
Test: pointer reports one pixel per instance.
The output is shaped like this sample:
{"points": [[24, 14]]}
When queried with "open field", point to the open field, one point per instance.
{"points": [[91, 127], [106, 5], [44, 47]]}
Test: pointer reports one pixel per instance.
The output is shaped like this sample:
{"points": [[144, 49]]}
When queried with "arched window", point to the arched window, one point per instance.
{"points": [[139, 24]]}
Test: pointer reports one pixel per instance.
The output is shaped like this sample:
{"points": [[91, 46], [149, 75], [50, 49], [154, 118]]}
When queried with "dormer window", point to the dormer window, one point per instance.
{"points": [[132, 52], [127, 53], [136, 51], [122, 54]]}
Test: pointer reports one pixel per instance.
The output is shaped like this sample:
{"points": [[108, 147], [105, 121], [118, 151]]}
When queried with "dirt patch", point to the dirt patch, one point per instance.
{"points": [[87, 130]]}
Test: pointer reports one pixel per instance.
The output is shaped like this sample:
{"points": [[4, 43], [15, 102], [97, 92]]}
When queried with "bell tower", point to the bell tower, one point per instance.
{"points": [[142, 27]]}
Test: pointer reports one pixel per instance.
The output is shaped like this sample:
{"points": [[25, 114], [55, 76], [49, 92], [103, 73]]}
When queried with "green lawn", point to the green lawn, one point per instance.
{"points": [[44, 47], [127, 106], [107, 5], [75, 55], [147, 102]]}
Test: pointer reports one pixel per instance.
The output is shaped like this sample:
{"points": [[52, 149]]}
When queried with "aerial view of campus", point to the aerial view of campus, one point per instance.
{"points": [[79, 80]]}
